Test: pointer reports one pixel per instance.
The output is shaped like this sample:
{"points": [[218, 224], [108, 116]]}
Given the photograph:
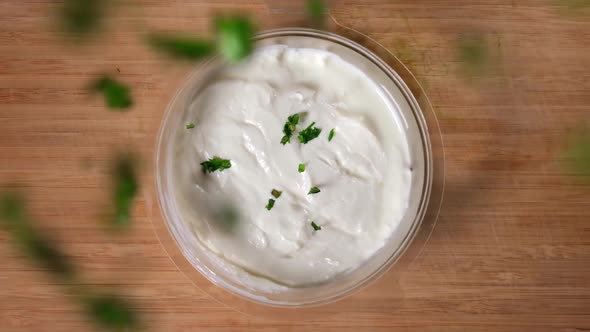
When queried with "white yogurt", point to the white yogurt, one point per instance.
{"points": [[364, 172]]}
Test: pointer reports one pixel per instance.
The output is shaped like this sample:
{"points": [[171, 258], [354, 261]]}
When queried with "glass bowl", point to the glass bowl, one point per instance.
{"points": [[420, 126]]}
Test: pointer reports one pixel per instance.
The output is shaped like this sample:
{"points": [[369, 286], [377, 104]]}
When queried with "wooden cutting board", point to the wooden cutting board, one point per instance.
{"points": [[509, 252]]}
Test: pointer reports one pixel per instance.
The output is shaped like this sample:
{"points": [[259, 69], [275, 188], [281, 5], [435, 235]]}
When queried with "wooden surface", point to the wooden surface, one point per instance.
{"points": [[510, 251]]}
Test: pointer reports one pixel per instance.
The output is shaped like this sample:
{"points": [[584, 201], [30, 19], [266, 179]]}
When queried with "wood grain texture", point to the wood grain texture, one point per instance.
{"points": [[510, 251]]}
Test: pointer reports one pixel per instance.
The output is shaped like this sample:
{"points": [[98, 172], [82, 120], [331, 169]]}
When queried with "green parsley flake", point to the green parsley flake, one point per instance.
{"points": [[315, 226], [276, 193], [313, 190], [234, 37], [301, 168], [331, 135], [289, 128], [190, 126], [116, 94], [181, 47], [309, 133], [271, 203], [215, 164]]}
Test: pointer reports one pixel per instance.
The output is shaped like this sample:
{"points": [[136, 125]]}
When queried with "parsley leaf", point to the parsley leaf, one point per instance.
{"points": [[313, 190], [289, 128], [112, 312], [276, 193], [315, 226], [182, 47], [316, 9], [301, 168], [42, 250], [82, 16], [215, 164], [190, 126], [331, 135], [309, 133], [117, 95], [271, 203], [125, 188], [234, 37]]}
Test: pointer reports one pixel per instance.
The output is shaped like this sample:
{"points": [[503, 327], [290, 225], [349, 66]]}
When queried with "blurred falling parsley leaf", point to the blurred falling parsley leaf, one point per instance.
{"points": [[316, 9], [125, 188], [33, 243], [234, 37], [226, 217], [112, 312], [473, 52], [116, 94], [43, 251], [576, 4], [12, 208], [82, 16], [182, 47], [577, 156]]}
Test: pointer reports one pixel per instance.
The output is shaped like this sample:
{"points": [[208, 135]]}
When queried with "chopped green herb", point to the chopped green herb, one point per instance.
{"points": [[577, 157], [276, 193], [181, 47], [301, 168], [226, 217], [125, 188], [112, 312], [289, 128], [316, 10], [309, 133], [117, 95], [234, 37], [331, 135], [315, 226], [271, 203], [215, 164], [313, 190], [190, 126], [473, 52]]}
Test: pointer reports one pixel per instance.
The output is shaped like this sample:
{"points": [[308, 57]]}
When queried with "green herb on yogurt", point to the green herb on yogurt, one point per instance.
{"points": [[331, 135], [276, 193], [289, 128], [315, 226], [215, 164], [271, 203], [313, 190], [301, 168], [309, 133], [190, 126], [117, 95]]}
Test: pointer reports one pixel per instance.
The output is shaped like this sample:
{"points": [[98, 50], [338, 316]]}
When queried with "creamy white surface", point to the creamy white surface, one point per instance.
{"points": [[364, 173]]}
